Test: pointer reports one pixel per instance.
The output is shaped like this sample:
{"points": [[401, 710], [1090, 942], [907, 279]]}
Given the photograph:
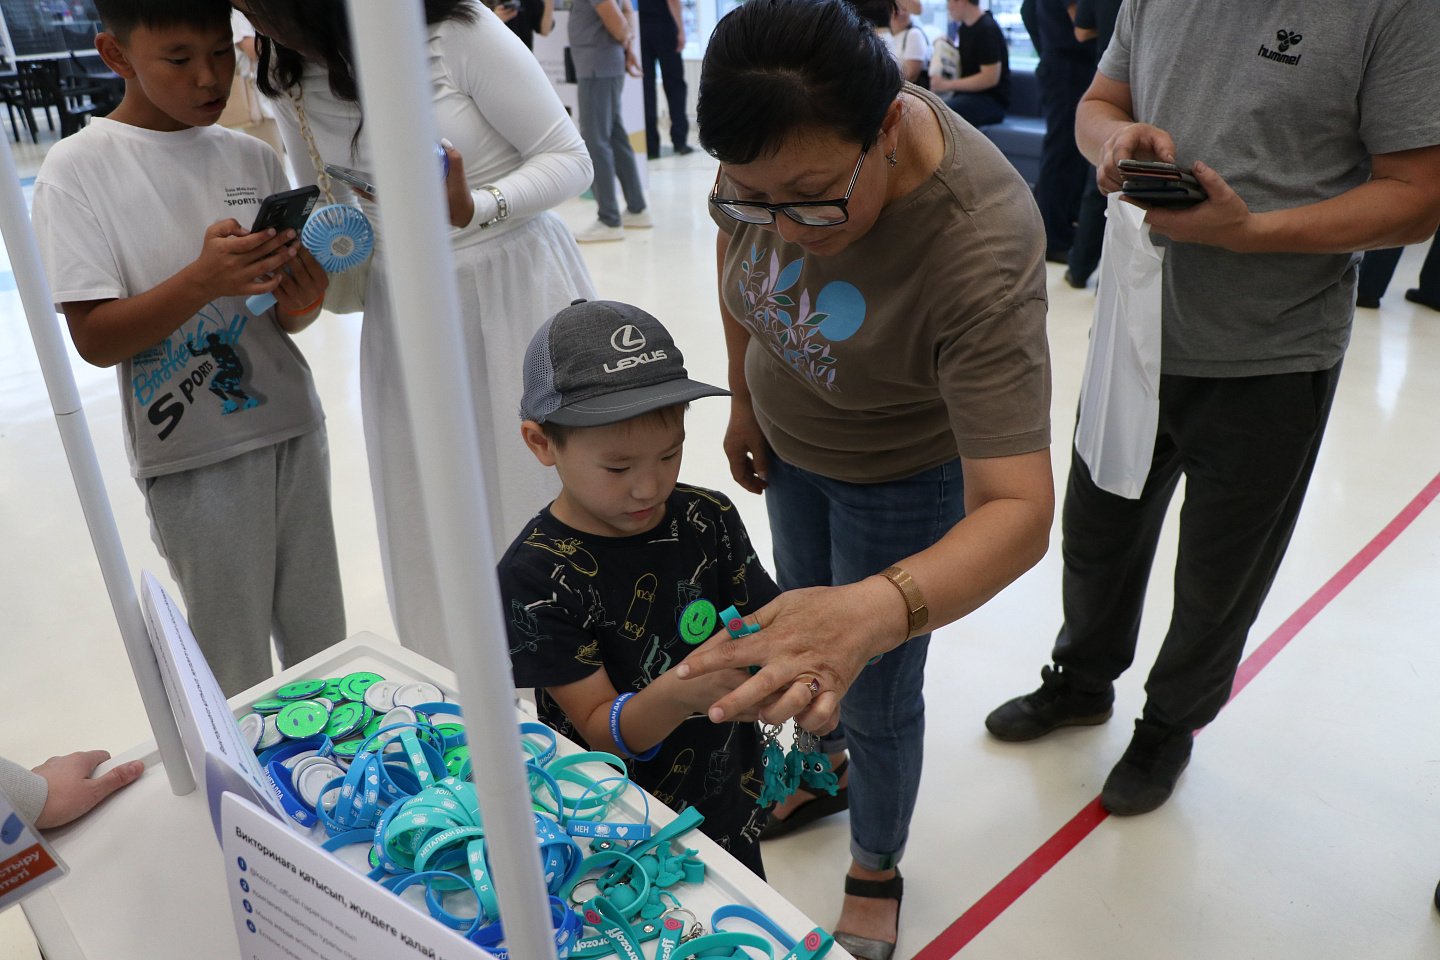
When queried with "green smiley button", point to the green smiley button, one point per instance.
{"points": [[697, 622]]}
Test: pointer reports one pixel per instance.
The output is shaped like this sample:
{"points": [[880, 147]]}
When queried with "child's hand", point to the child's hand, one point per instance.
{"points": [[302, 285], [234, 262]]}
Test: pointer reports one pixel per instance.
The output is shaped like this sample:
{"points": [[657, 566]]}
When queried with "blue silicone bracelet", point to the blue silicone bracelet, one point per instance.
{"points": [[615, 731]]}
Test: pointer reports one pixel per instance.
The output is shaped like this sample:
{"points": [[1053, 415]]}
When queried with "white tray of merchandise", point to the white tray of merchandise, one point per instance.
{"points": [[148, 879]]}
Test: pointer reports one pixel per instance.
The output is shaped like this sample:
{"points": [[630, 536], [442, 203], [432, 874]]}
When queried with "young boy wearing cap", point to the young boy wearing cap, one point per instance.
{"points": [[612, 582]]}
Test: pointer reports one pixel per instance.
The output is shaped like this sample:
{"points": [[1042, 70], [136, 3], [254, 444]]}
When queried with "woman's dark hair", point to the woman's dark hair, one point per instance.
{"points": [[877, 13], [119, 17], [775, 67], [323, 28]]}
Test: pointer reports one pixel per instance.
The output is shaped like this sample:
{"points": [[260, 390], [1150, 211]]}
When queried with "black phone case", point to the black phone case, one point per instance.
{"points": [[286, 211]]}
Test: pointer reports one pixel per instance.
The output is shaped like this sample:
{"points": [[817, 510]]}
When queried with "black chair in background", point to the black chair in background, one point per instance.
{"points": [[41, 87]]}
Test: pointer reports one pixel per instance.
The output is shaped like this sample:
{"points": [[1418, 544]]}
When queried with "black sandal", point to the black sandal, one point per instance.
{"points": [[823, 805], [864, 948]]}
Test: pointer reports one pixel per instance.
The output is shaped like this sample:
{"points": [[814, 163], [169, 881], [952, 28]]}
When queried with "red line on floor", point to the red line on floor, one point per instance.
{"points": [[1003, 895]]}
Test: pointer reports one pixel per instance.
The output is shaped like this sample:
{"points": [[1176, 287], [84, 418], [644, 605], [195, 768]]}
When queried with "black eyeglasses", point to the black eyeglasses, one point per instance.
{"points": [[807, 213]]}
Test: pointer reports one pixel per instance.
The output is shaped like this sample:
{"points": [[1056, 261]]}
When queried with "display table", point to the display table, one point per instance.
{"points": [[147, 875]]}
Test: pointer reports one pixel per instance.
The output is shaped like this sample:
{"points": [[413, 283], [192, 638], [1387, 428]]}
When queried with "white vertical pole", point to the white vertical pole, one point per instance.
{"points": [[80, 452], [389, 45]]}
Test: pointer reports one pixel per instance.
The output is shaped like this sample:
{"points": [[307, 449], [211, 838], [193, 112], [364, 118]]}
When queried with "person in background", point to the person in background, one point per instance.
{"points": [[1094, 20], [911, 47], [972, 73], [1379, 266], [1257, 303], [602, 44], [63, 789], [526, 18], [1066, 67], [247, 109], [662, 38], [513, 156]]}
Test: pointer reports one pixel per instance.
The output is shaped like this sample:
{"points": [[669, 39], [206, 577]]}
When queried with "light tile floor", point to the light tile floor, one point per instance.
{"points": [[1305, 827]]}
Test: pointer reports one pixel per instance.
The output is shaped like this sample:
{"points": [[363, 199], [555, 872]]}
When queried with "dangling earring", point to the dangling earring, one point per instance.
{"points": [[891, 155]]}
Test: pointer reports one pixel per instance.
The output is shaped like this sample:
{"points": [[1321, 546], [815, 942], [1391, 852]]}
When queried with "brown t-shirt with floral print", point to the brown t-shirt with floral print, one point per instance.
{"points": [[924, 339]]}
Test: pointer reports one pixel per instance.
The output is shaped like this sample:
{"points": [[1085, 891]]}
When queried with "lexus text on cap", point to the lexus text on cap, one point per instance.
{"points": [[598, 362]]}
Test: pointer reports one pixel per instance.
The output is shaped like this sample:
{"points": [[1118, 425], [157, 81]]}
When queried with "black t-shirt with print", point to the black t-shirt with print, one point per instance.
{"points": [[577, 602]]}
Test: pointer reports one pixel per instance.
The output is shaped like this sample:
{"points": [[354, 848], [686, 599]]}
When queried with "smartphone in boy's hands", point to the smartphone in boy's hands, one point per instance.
{"points": [[1155, 183], [286, 211]]}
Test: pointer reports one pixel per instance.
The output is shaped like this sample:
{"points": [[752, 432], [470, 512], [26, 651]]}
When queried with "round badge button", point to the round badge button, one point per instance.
{"points": [[354, 685], [697, 622], [380, 696], [303, 718], [414, 694], [345, 720], [300, 690], [271, 736], [252, 728]]}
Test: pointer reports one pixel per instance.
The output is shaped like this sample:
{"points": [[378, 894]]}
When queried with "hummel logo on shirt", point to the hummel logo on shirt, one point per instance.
{"points": [[1285, 39]]}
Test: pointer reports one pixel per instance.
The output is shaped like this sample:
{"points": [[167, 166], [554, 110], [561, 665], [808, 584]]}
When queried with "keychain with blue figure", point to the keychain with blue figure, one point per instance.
{"points": [[808, 754], [781, 780]]}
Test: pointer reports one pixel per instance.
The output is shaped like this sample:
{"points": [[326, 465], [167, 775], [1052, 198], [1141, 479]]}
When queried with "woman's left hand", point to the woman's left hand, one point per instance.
{"points": [[825, 633], [457, 190]]}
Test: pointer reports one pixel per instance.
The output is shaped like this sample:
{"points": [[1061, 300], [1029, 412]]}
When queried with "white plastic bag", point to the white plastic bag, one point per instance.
{"points": [[1120, 395]]}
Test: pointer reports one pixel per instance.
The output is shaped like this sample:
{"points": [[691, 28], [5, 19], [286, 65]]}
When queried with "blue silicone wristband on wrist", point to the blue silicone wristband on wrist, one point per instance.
{"points": [[625, 751]]}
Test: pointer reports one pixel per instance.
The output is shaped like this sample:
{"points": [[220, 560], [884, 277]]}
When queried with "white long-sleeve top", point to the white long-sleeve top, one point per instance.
{"points": [[27, 791], [492, 101]]}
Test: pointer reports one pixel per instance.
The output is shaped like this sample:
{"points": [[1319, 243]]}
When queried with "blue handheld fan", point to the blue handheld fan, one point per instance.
{"points": [[338, 236]]}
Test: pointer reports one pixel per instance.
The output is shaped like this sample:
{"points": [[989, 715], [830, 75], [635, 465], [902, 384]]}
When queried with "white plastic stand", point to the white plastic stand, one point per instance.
{"points": [[84, 468]]}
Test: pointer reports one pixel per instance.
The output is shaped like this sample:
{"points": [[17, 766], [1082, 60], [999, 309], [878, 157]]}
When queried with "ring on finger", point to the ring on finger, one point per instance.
{"points": [[811, 682]]}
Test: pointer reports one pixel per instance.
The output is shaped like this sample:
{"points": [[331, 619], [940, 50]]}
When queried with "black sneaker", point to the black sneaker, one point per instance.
{"points": [[1416, 295], [1056, 704], [1146, 774]]}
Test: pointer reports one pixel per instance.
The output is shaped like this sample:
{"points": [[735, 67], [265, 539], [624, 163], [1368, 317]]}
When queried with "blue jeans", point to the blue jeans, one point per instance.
{"points": [[829, 532], [603, 130]]}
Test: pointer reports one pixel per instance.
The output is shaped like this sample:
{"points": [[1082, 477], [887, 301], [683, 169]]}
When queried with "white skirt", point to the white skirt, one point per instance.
{"points": [[509, 285]]}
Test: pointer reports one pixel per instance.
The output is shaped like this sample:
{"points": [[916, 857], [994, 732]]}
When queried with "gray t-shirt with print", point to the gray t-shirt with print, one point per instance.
{"points": [[1286, 100], [120, 210], [595, 52]]}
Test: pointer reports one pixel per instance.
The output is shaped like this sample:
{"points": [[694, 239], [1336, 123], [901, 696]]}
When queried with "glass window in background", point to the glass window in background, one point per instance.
{"points": [[48, 28]]}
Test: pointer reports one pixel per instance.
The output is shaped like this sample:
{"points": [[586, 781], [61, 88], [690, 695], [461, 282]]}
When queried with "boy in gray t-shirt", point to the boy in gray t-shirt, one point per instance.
{"points": [[138, 218], [1315, 131]]}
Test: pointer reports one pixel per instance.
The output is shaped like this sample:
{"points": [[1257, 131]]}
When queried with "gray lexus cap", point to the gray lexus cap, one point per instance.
{"points": [[598, 362]]}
